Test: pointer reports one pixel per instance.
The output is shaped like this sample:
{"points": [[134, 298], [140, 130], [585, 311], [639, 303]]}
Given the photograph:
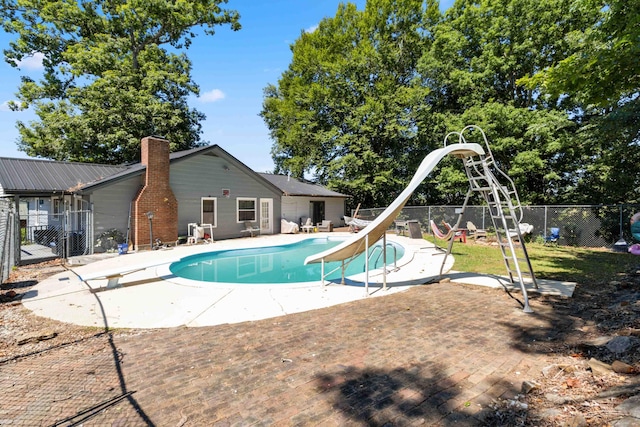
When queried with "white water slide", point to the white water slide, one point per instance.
{"points": [[368, 236]]}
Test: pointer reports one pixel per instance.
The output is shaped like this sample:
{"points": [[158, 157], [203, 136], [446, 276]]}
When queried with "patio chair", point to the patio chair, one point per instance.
{"points": [[289, 227], [525, 229], [199, 233], [250, 228], [308, 226], [459, 234], [553, 237], [401, 226], [475, 232], [325, 225]]}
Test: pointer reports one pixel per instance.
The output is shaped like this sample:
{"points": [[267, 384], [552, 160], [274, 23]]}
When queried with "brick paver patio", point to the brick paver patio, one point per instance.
{"points": [[434, 355]]}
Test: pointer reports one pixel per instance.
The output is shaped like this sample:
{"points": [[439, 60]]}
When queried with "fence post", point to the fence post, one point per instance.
{"points": [[621, 214], [66, 226], [484, 225], [16, 230]]}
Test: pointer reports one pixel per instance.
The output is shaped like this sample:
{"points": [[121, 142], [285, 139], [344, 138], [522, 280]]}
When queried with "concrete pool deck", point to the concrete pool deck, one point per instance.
{"points": [[150, 297]]}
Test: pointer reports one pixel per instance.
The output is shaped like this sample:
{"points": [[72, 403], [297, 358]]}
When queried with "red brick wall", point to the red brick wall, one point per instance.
{"points": [[155, 196]]}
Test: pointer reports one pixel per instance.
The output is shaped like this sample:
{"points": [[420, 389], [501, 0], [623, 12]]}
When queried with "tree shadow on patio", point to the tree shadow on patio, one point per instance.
{"points": [[428, 393]]}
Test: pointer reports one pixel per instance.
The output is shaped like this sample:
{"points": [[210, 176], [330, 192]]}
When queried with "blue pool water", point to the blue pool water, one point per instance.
{"points": [[274, 264]]}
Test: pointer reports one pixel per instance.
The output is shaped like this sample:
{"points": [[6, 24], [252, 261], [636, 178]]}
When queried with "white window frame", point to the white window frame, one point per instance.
{"points": [[57, 205], [254, 210], [215, 210]]}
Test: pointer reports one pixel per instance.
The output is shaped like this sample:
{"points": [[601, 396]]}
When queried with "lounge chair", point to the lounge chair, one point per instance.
{"points": [[356, 224], [553, 237], [475, 232], [325, 225], [250, 228]]}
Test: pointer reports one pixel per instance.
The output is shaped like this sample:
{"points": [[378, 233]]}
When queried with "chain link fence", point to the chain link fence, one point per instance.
{"points": [[8, 238], [580, 225], [45, 235]]}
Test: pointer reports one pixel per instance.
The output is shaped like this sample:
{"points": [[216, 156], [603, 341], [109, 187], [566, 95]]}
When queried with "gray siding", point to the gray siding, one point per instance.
{"points": [[111, 205], [206, 176]]}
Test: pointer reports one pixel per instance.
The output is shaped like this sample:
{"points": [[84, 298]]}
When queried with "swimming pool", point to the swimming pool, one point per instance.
{"points": [[276, 264]]}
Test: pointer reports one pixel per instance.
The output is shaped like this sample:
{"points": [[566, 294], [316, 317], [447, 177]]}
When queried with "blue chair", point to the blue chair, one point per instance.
{"points": [[553, 237]]}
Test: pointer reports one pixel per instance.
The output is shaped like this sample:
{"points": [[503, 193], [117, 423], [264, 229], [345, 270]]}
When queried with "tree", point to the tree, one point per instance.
{"points": [[370, 93], [478, 53], [345, 110], [602, 77], [603, 67], [107, 80]]}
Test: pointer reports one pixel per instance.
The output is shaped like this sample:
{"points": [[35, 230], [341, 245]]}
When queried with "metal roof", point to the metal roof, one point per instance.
{"points": [[37, 175], [293, 187], [40, 176]]}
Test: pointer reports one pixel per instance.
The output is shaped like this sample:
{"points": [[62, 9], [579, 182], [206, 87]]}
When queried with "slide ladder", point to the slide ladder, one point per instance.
{"points": [[501, 196]]}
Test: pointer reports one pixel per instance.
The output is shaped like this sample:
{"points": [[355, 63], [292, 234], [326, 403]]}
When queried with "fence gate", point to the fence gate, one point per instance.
{"points": [[8, 238], [46, 236]]}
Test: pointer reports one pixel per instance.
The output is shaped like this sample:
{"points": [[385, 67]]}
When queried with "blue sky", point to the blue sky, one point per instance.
{"points": [[231, 68]]}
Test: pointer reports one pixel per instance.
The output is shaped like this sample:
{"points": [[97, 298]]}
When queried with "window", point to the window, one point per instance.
{"points": [[209, 211], [246, 209], [58, 206]]}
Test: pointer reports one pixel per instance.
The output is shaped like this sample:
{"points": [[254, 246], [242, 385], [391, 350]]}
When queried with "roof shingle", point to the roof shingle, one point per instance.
{"points": [[293, 187]]}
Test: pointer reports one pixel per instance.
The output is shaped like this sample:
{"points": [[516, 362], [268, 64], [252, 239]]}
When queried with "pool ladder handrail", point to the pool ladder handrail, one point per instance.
{"points": [[395, 255], [374, 247]]}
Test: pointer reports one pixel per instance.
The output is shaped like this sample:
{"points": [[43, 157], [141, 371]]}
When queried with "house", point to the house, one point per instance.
{"points": [[204, 185], [302, 200], [155, 199]]}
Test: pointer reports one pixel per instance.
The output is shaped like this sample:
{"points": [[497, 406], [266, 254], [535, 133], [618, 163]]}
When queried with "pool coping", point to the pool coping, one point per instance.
{"points": [[375, 275]]}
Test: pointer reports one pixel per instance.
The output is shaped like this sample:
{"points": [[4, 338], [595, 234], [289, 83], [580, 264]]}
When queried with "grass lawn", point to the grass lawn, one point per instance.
{"points": [[567, 263]]}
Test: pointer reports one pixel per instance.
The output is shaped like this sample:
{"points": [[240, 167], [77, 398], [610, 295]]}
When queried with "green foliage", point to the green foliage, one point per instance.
{"points": [[371, 92], [346, 109], [601, 75], [602, 68], [611, 167], [107, 80]]}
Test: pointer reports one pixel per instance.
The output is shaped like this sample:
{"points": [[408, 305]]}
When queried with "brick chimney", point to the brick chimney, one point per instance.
{"points": [[155, 196]]}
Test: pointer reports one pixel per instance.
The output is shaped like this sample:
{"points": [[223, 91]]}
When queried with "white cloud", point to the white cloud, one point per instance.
{"points": [[212, 96], [5, 106], [311, 29], [33, 62]]}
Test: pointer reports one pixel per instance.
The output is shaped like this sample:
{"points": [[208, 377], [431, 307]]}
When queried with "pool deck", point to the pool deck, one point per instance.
{"points": [[149, 296]]}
